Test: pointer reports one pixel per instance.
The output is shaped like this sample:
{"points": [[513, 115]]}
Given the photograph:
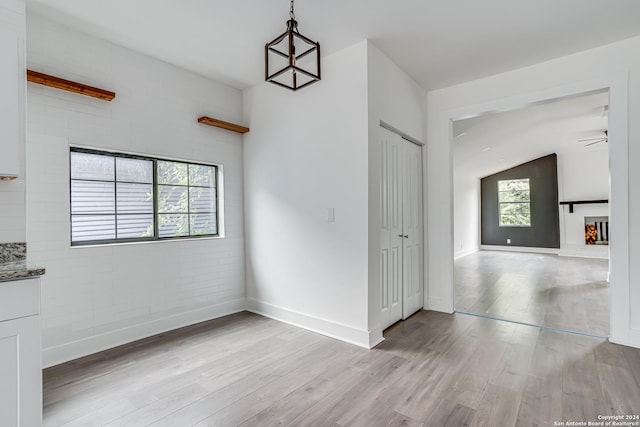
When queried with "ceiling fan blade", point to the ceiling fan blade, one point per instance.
{"points": [[596, 142], [591, 139]]}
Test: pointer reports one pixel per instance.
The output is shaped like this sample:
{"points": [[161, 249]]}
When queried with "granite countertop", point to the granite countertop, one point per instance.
{"points": [[14, 265], [15, 270]]}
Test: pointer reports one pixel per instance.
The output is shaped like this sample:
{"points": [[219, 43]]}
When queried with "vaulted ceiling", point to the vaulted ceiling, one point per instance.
{"points": [[439, 43], [491, 143]]}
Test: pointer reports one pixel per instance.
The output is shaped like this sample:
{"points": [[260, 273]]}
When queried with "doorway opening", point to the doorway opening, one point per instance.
{"points": [[529, 185]]}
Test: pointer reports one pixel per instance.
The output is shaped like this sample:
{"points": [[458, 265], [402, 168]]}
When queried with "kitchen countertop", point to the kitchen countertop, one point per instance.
{"points": [[16, 270]]}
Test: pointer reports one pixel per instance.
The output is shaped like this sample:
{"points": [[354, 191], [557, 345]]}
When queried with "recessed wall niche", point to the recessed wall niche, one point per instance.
{"points": [[596, 230]]}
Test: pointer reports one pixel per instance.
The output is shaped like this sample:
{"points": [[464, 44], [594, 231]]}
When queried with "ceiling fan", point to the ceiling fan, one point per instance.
{"points": [[596, 140]]}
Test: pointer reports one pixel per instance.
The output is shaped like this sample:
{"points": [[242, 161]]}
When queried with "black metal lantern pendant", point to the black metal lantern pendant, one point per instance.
{"points": [[292, 60]]}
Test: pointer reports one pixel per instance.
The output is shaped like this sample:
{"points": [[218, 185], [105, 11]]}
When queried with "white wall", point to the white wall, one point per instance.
{"points": [[582, 175], [397, 100], [466, 198], [99, 297], [12, 193], [306, 152], [615, 66], [312, 150]]}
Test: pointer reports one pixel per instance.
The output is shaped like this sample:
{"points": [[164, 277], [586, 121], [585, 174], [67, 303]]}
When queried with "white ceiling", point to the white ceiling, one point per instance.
{"points": [[491, 143], [439, 43]]}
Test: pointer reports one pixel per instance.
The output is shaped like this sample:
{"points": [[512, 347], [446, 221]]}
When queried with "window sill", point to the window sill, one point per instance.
{"points": [[146, 242]]}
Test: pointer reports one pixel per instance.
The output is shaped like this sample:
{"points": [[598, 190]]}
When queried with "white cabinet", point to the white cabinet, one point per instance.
{"points": [[20, 354], [10, 84]]}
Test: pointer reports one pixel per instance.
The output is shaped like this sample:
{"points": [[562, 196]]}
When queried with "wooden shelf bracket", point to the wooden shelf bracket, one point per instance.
{"points": [[68, 85], [222, 124]]}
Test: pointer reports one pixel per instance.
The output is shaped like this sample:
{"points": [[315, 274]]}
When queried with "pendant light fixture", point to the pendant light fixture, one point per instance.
{"points": [[292, 60]]}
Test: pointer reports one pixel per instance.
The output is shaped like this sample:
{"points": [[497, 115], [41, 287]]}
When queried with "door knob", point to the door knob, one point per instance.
{"points": [[405, 236]]}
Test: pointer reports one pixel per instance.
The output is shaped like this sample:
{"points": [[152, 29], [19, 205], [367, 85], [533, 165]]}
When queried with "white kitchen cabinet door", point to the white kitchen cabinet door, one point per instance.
{"points": [[9, 386], [21, 373], [9, 103], [20, 354]]}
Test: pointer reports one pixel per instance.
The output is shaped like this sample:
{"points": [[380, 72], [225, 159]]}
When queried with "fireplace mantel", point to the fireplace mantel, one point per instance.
{"points": [[582, 202]]}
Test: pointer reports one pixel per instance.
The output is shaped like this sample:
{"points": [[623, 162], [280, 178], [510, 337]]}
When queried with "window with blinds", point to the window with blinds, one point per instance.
{"points": [[119, 197]]}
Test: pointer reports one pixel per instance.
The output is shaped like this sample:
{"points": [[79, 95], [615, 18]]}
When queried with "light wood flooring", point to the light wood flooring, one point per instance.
{"points": [[546, 290], [433, 369]]}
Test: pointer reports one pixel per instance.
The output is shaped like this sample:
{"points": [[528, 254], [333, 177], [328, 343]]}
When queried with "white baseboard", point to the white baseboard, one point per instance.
{"points": [[437, 304], [631, 338], [552, 251], [63, 353], [326, 327], [375, 337], [465, 252], [585, 251]]}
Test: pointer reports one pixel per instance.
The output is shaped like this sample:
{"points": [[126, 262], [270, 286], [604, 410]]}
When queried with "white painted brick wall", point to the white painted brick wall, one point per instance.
{"points": [[97, 297]]}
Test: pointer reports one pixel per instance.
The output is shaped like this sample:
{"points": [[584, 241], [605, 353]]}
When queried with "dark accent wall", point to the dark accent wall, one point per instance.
{"points": [[544, 231]]}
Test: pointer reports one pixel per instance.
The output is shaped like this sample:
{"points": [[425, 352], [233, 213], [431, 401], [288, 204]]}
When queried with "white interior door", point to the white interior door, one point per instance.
{"points": [[391, 232], [412, 228], [401, 254]]}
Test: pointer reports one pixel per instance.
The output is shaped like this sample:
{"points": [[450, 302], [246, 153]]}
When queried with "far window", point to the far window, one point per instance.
{"points": [[514, 203]]}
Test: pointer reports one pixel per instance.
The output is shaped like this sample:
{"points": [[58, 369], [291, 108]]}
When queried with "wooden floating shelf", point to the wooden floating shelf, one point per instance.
{"points": [[582, 202], [68, 85], [222, 124]]}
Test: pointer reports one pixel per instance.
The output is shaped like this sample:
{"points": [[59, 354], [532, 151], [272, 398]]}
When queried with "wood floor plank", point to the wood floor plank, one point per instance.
{"points": [[160, 408], [483, 365], [281, 385], [222, 371], [328, 410], [113, 364], [421, 399], [240, 384], [632, 357], [382, 415], [450, 414], [541, 402], [578, 380], [498, 406], [541, 289], [581, 409], [434, 369], [286, 409], [514, 367], [383, 397], [620, 388], [162, 378], [372, 372]]}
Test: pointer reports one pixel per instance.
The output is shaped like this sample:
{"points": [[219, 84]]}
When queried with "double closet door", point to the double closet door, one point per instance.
{"points": [[402, 231]]}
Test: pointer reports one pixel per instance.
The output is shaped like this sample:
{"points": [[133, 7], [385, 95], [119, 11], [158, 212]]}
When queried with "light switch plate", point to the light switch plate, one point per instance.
{"points": [[330, 215]]}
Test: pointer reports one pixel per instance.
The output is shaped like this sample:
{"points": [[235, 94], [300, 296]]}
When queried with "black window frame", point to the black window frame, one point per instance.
{"points": [[156, 237]]}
